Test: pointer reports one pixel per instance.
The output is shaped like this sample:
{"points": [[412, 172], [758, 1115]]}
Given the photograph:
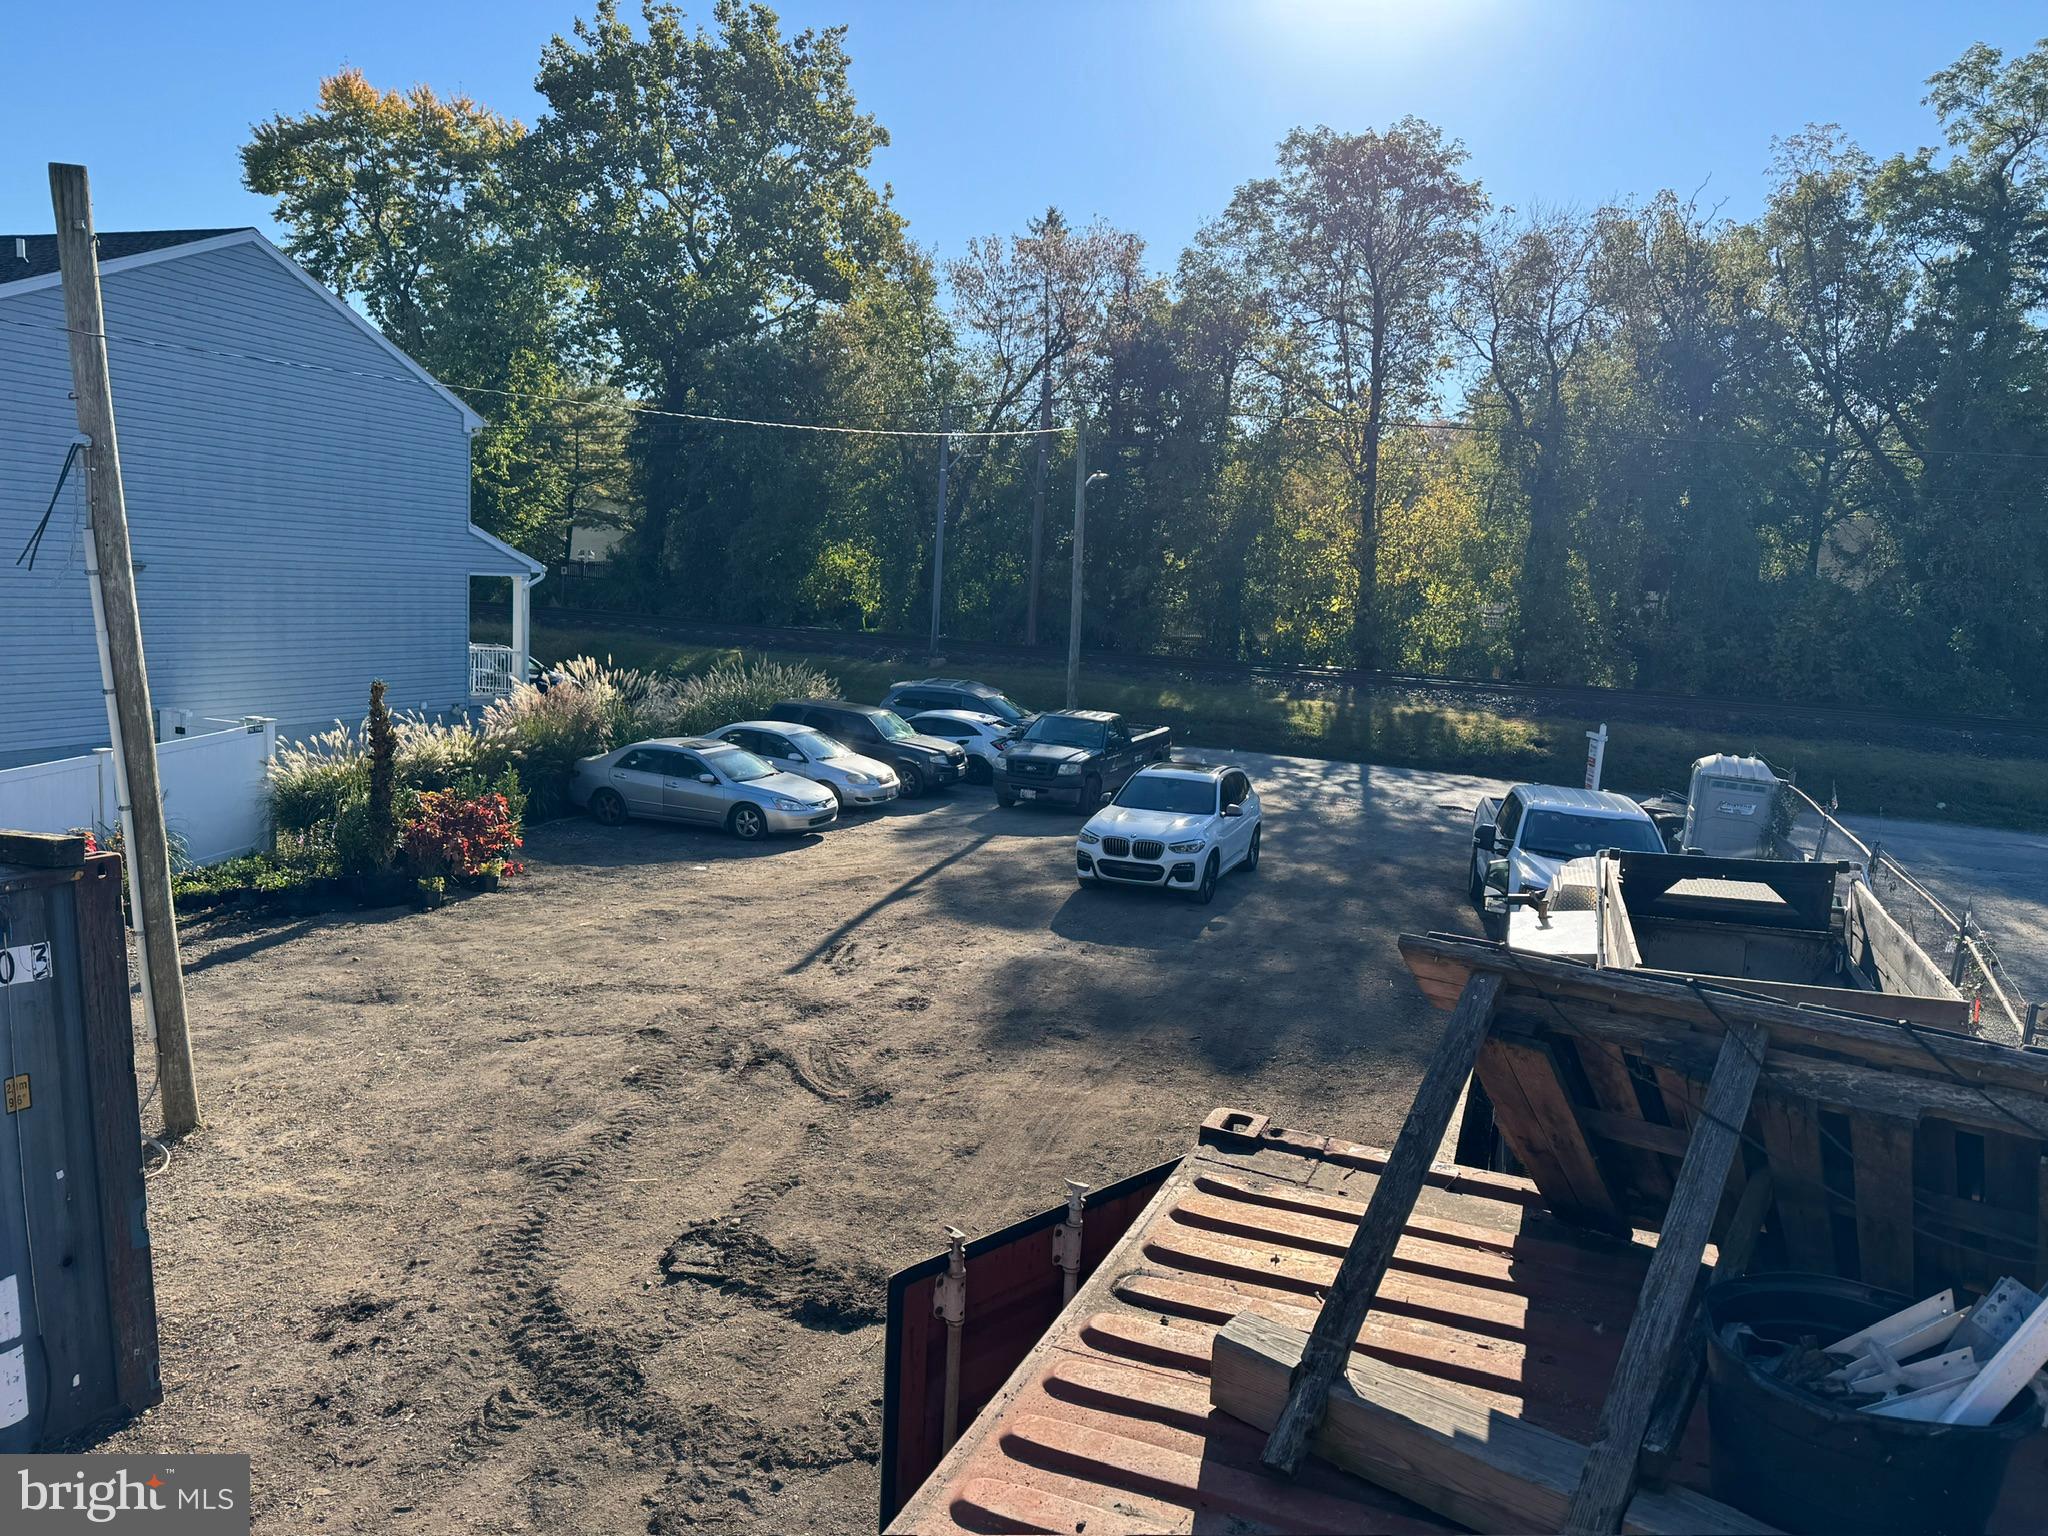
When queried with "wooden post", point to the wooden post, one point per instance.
{"points": [[1682, 1383], [1372, 1248], [129, 712], [1609, 1477]]}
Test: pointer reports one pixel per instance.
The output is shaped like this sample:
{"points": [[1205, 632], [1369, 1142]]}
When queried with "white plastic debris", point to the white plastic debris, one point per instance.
{"points": [[2005, 1375], [1896, 1331]]}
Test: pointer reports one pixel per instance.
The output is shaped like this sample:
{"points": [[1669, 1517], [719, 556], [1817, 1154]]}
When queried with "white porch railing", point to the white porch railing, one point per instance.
{"points": [[491, 670]]}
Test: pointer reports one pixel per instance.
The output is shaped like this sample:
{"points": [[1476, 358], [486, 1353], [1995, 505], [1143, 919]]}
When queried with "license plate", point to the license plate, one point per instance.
{"points": [[1027, 794]]}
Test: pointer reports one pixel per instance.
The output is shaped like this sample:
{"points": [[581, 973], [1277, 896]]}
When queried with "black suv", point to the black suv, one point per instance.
{"points": [[921, 762], [956, 693]]}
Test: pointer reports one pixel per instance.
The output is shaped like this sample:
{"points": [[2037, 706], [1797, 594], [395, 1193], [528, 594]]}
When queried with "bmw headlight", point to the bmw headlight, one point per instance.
{"points": [[1089, 837], [855, 777], [1193, 846], [784, 803], [1070, 770]]}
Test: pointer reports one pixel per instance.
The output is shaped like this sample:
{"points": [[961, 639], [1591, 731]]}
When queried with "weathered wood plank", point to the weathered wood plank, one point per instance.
{"points": [[1883, 1149], [117, 1133], [1951, 1015], [1393, 1198], [1845, 1085], [1667, 1009], [1791, 1136], [1542, 1128], [1688, 1371], [43, 850], [1487, 1470], [1627, 1131], [1609, 1476], [2041, 1226], [1934, 1172], [1614, 1090]]}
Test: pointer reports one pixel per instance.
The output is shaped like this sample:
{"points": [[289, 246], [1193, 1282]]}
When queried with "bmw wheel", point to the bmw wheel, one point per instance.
{"points": [[747, 822], [1251, 854], [607, 808], [1206, 891]]}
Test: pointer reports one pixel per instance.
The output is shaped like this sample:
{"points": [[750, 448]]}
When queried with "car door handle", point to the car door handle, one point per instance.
{"points": [[671, 783]]}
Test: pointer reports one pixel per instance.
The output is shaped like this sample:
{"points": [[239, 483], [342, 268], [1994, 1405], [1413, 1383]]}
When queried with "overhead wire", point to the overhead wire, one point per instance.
{"points": [[1578, 433], [635, 407]]}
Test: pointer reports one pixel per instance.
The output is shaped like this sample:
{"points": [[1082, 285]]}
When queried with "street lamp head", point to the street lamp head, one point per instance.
{"points": [[1098, 476]]}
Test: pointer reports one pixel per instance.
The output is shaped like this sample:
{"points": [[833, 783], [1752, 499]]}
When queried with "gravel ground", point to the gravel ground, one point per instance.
{"points": [[570, 1207]]}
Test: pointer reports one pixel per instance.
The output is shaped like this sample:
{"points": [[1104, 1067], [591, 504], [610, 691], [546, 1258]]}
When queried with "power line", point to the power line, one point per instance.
{"points": [[1421, 424], [632, 406]]}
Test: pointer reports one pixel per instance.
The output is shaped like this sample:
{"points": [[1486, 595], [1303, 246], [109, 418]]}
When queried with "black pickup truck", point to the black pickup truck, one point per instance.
{"points": [[1076, 757]]}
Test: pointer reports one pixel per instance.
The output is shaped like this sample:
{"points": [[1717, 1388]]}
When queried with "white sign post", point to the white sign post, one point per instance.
{"points": [[1596, 755]]}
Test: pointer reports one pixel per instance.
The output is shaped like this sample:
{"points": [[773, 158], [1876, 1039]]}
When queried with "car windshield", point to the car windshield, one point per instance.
{"points": [[1562, 835], [1066, 731], [995, 704], [813, 745], [740, 767], [892, 725], [1169, 792]]}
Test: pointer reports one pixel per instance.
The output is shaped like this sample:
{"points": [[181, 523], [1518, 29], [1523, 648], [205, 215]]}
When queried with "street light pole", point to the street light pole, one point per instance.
{"points": [[1080, 552], [939, 537], [1082, 480]]}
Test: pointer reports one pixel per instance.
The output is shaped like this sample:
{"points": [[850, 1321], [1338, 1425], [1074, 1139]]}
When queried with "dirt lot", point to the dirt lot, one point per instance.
{"points": [[570, 1207]]}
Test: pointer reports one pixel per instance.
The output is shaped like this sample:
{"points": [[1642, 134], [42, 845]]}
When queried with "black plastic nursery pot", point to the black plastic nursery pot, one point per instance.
{"points": [[1806, 1467]]}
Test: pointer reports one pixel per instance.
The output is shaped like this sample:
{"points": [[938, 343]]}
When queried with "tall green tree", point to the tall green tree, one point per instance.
{"points": [[1527, 311], [709, 186], [402, 202], [1356, 243]]}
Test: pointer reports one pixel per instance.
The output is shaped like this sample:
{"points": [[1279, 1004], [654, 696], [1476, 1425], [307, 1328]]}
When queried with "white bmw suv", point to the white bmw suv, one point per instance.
{"points": [[1180, 825]]}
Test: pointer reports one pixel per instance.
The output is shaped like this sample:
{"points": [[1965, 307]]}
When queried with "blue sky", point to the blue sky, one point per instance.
{"points": [[1143, 112]]}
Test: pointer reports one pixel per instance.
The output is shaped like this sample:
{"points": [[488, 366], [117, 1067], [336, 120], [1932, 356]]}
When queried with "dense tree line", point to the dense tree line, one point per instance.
{"points": [[1366, 417]]}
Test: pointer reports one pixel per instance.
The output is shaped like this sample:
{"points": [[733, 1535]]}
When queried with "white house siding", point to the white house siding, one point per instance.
{"points": [[299, 530]]}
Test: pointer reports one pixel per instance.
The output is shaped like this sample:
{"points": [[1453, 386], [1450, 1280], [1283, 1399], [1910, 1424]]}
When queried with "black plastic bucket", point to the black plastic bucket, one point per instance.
{"points": [[1784, 1457]]}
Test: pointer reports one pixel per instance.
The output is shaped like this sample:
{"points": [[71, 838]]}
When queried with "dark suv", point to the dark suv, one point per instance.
{"points": [[956, 693], [921, 762]]}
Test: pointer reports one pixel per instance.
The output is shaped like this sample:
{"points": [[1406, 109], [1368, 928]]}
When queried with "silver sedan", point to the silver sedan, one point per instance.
{"points": [[711, 783], [854, 780]]}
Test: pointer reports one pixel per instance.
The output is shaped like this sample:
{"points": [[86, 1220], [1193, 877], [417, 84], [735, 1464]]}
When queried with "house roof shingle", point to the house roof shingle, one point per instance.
{"points": [[24, 256]]}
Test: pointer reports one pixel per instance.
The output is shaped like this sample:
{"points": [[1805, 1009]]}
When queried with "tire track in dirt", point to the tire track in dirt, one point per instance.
{"points": [[588, 1373]]}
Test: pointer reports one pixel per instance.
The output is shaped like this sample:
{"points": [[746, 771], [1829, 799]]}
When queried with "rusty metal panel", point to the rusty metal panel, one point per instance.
{"points": [[77, 1315], [1013, 1296]]}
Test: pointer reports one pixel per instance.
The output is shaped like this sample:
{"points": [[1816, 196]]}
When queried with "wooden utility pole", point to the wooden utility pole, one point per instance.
{"points": [[939, 533], [129, 716]]}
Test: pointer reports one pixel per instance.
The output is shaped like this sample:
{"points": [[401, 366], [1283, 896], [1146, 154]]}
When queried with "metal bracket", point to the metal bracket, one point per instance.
{"points": [[949, 1291], [1066, 1237]]}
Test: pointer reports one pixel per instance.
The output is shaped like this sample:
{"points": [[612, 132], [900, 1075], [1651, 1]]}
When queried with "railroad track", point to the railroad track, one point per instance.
{"points": [[1982, 734]]}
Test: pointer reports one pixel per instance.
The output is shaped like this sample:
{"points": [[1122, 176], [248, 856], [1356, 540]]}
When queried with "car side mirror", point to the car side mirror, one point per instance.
{"points": [[1497, 876], [794, 757], [1233, 810], [1483, 838], [707, 778]]}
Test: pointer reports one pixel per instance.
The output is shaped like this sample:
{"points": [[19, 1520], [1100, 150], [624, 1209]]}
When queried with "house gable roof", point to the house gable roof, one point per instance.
{"points": [[36, 255], [122, 250]]}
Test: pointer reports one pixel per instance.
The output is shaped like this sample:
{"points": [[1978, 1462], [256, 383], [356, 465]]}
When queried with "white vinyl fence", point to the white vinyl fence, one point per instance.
{"points": [[212, 784]]}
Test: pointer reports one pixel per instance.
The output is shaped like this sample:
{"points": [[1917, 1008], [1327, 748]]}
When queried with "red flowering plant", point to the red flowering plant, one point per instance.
{"points": [[462, 835]]}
